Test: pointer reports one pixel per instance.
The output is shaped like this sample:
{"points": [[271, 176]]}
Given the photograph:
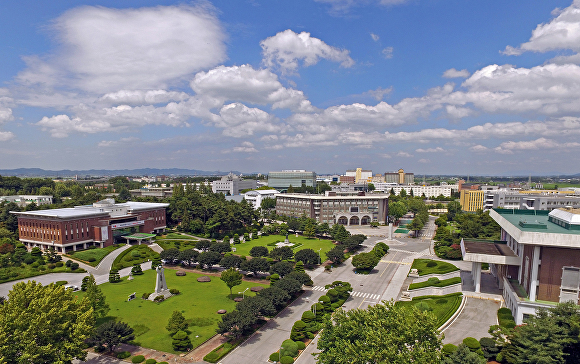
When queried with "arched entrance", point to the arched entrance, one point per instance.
{"points": [[354, 220], [342, 220], [365, 220]]}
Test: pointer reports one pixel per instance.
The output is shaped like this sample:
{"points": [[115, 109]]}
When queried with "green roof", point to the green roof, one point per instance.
{"points": [[534, 221], [138, 236]]}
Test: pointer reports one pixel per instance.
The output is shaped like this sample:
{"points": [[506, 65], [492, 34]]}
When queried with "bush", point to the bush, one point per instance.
{"points": [[174, 291], [51, 266], [74, 266], [286, 360], [472, 344], [504, 310], [159, 298], [308, 316], [41, 268], [60, 283], [181, 341], [35, 265], [59, 264], [275, 356], [150, 361], [145, 295], [92, 259], [138, 359], [274, 277], [448, 349], [441, 301], [288, 348], [123, 355], [431, 264], [301, 345]]}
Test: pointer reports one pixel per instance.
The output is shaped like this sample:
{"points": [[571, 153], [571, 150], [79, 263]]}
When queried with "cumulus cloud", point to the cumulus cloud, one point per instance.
{"points": [[430, 150], [478, 148], [538, 144], [453, 73], [341, 7], [6, 135], [404, 154], [115, 143], [245, 147], [388, 52], [423, 160], [375, 37], [238, 120], [286, 49], [106, 49], [139, 97], [379, 93], [246, 84], [562, 32]]}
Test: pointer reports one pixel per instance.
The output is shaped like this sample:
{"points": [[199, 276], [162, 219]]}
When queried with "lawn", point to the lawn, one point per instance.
{"points": [[181, 245], [434, 282], [28, 271], [133, 255], [198, 302], [439, 268], [312, 243], [177, 236], [93, 257], [443, 307]]}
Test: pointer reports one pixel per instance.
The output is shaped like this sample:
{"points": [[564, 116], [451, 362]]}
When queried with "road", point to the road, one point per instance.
{"points": [[384, 282]]}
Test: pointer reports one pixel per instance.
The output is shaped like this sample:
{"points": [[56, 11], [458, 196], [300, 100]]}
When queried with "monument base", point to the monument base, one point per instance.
{"points": [[165, 293]]}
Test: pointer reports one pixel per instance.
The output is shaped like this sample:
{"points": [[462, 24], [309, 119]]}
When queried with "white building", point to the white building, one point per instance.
{"points": [[429, 191], [24, 200], [256, 197], [232, 184]]}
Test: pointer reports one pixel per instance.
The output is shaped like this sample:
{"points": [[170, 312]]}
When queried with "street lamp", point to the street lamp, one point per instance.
{"points": [[319, 258], [243, 293]]}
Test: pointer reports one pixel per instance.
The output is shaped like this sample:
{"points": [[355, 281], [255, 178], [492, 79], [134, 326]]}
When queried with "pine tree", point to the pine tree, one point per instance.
{"points": [[181, 341], [176, 323], [114, 276], [97, 298]]}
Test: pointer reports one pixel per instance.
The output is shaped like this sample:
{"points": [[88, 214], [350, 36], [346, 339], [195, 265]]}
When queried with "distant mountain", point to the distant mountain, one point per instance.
{"points": [[38, 172]]}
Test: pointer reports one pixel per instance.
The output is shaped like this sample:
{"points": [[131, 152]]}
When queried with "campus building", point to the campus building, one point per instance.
{"points": [[400, 177], [471, 200], [537, 263], [528, 200], [256, 197], [79, 227], [25, 200], [428, 191], [360, 175], [295, 178], [158, 192], [360, 209], [232, 185]]}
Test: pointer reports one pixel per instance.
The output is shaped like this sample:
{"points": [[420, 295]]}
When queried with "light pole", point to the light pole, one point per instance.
{"points": [[243, 296], [319, 258]]}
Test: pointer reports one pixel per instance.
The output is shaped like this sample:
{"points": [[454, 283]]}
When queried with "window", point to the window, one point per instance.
{"points": [[570, 284]]}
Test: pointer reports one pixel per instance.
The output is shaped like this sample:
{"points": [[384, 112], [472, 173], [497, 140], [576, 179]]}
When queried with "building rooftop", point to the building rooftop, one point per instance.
{"points": [[338, 197], [102, 207], [535, 221]]}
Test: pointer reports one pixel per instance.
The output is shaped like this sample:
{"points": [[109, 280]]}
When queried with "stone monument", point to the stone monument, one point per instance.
{"points": [[160, 285]]}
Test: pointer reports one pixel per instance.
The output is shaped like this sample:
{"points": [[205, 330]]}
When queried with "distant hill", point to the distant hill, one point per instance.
{"points": [[38, 172]]}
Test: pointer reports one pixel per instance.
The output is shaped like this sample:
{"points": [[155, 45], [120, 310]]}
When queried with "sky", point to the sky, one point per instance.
{"points": [[430, 86]]}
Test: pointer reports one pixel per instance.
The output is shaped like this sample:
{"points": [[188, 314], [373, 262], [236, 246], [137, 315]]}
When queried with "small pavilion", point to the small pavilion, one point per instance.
{"points": [[139, 237]]}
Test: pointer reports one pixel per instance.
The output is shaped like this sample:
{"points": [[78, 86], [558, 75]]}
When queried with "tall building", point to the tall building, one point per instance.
{"points": [[400, 177], [537, 263], [333, 209], [525, 200], [295, 178], [232, 185], [79, 227], [360, 175], [471, 200]]}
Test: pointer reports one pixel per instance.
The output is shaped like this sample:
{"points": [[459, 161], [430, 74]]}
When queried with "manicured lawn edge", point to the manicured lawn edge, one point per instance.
{"points": [[31, 274], [96, 262], [441, 267], [443, 283], [448, 313], [119, 259]]}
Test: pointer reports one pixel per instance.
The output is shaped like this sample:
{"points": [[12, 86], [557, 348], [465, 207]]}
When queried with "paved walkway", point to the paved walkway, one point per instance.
{"points": [[474, 321]]}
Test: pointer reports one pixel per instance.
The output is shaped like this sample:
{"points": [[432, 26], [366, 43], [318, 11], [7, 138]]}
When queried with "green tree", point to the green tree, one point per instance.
{"points": [[259, 251], [282, 253], [290, 189], [255, 265], [44, 324], [181, 341], [176, 323], [281, 268], [383, 333], [463, 356], [397, 209], [231, 278], [403, 193], [208, 259], [365, 261], [371, 187], [310, 229], [335, 255], [96, 298], [112, 333], [307, 256]]}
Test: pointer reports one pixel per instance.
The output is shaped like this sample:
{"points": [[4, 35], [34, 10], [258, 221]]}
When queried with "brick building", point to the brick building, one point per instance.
{"points": [[98, 224], [537, 264]]}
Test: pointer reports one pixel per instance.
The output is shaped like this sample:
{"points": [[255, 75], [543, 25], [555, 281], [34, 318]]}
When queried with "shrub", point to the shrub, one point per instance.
{"points": [[42, 267], [274, 277], [288, 348], [60, 283], [145, 295], [308, 316], [181, 341], [163, 362], [174, 291], [310, 335], [92, 259], [51, 266], [100, 349], [35, 265], [332, 294], [431, 264], [275, 356], [159, 298], [59, 264], [286, 360], [150, 361], [448, 349], [504, 310], [74, 266], [301, 345], [423, 306], [123, 355], [298, 331], [509, 324], [472, 343], [441, 301], [138, 359]]}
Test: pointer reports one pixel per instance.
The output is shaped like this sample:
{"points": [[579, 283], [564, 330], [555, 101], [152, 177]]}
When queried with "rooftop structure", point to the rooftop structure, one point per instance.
{"points": [[400, 177], [256, 197], [25, 200], [232, 184], [295, 178]]}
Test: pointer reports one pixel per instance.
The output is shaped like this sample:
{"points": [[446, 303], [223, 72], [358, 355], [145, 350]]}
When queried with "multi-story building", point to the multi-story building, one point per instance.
{"points": [[232, 185], [25, 200], [428, 191], [400, 177], [360, 175], [360, 209], [159, 192], [471, 200], [256, 197], [295, 178], [98, 224], [537, 263], [524, 200]]}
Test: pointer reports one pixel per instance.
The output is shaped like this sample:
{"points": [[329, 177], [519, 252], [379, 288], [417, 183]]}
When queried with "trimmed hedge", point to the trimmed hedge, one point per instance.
{"points": [[472, 343], [123, 355], [219, 352], [301, 345], [275, 357], [286, 360], [150, 361], [138, 359], [448, 349], [435, 282]]}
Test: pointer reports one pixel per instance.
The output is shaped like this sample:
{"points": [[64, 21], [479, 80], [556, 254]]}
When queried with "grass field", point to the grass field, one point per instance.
{"points": [[198, 302], [177, 236], [169, 244], [439, 268], [98, 254], [311, 243], [551, 186], [435, 283], [443, 307], [27, 271], [133, 255]]}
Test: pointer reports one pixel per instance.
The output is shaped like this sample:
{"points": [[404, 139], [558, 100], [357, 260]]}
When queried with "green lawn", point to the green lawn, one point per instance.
{"points": [[551, 186], [27, 271], [443, 307], [177, 236], [435, 283], [98, 254], [312, 243], [169, 244], [439, 268], [133, 255], [198, 302]]}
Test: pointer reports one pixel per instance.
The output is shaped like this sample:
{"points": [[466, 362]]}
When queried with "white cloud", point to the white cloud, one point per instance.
{"points": [[245, 147], [538, 144], [423, 160], [341, 7], [286, 49], [478, 148], [404, 154], [139, 97], [238, 120], [106, 49], [116, 143], [430, 150], [388, 52], [379, 93], [453, 73], [562, 32], [5, 136], [375, 37]]}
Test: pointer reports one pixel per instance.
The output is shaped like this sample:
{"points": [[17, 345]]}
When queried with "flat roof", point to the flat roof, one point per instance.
{"points": [[338, 197], [533, 221], [88, 210], [488, 248]]}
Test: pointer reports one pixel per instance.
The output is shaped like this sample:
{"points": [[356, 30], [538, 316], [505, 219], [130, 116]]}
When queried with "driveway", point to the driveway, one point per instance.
{"points": [[474, 321]]}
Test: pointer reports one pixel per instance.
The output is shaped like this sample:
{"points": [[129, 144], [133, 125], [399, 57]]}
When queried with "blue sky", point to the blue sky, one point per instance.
{"points": [[431, 86]]}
